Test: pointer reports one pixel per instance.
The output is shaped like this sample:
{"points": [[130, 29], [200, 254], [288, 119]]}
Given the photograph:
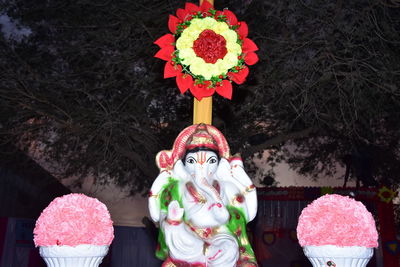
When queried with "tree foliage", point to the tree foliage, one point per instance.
{"points": [[85, 84]]}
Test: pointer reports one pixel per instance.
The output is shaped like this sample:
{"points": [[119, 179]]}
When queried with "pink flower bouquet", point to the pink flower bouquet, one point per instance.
{"points": [[74, 230], [337, 230]]}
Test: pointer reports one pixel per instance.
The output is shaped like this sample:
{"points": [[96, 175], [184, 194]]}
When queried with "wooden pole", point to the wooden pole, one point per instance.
{"points": [[202, 110]]}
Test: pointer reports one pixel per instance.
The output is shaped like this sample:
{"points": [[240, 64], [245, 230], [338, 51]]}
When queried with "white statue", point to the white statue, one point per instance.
{"points": [[202, 199]]}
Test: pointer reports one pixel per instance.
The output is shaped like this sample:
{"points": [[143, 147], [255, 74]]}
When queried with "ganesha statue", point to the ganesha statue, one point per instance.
{"points": [[202, 200]]}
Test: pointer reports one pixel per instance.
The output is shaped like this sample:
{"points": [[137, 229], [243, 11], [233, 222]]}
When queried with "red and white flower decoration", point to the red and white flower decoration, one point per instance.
{"points": [[206, 50]]}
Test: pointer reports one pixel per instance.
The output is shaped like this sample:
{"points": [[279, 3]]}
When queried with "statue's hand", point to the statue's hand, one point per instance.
{"points": [[220, 213], [175, 212]]}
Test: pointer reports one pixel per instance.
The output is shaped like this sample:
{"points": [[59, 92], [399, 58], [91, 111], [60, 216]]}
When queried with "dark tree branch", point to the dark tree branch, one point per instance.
{"points": [[277, 141]]}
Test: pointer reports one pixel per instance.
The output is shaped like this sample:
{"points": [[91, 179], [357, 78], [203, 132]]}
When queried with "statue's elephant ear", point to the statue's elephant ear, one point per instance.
{"points": [[180, 172], [238, 172], [224, 170]]}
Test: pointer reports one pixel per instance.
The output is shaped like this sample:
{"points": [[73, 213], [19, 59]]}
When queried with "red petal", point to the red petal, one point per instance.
{"points": [[243, 30], [165, 40], [203, 91], [165, 53], [225, 89], [190, 7], [205, 6], [231, 17], [182, 14], [171, 70], [173, 23], [251, 58], [239, 77], [184, 82], [249, 46]]}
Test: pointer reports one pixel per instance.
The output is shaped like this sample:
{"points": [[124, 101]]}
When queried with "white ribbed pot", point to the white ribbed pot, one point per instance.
{"points": [[330, 255], [79, 256]]}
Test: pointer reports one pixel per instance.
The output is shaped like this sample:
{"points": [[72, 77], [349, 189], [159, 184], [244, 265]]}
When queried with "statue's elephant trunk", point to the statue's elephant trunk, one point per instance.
{"points": [[202, 181], [214, 203]]}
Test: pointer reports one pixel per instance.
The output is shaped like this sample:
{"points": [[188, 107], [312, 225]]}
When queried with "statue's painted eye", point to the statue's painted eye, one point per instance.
{"points": [[190, 160], [212, 160]]}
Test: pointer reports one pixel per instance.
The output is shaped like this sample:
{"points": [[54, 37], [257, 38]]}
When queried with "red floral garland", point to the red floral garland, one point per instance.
{"points": [[211, 47]]}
